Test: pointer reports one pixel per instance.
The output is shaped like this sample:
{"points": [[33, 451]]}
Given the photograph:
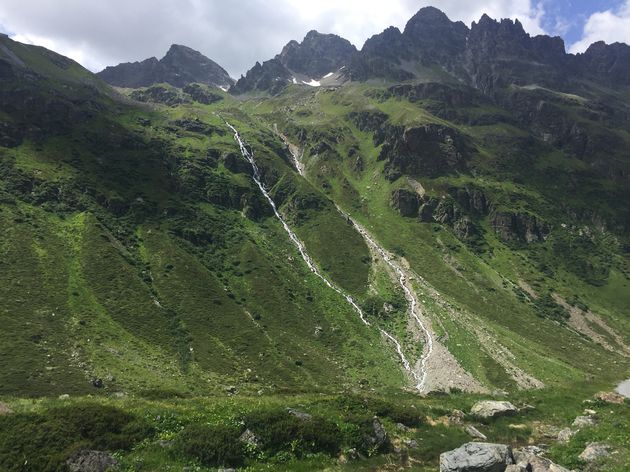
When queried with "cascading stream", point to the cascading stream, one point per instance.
{"points": [[394, 265], [248, 155], [410, 295]]}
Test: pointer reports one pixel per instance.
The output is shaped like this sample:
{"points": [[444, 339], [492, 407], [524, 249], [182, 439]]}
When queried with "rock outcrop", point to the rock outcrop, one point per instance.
{"points": [[429, 150], [519, 227], [91, 461], [493, 409]]}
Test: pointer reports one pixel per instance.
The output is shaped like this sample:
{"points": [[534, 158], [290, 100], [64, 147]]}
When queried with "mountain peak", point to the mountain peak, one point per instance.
{"points": [[180, 66]]}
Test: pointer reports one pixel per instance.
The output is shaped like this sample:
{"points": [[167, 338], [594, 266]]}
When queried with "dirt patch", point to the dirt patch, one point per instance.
{"points": [[583, 322]]}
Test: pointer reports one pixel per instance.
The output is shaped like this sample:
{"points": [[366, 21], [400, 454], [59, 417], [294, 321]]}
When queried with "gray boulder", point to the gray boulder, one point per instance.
{"points": [[477, 457], [4, 409], [493, 409], [91, 461], [584, 422], [594, 452], [531, 458]]}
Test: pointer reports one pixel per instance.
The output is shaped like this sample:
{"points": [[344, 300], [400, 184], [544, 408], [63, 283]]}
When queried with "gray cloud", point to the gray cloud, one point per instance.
{"points": [[235, 33]]}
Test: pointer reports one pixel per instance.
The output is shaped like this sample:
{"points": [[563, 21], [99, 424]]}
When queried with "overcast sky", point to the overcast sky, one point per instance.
{"points": [[237, 33]]}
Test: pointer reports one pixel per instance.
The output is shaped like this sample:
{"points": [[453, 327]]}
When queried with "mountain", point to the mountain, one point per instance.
{"points": [[488, 56], [319, 278], [318, 56], [180, 66]]}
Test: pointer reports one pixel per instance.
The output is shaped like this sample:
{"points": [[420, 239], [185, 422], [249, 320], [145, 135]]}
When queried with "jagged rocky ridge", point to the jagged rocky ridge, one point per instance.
{"points": [[489, 56], [180, 67]]}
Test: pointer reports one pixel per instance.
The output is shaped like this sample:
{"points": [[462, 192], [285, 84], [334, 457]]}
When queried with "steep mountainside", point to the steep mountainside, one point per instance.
{"points": [[180, 66], [327, 276]]}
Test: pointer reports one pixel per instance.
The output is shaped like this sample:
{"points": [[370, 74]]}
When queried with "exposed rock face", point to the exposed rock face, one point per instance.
{"points": [[519, 227], [493, 409], [316, 56], [406, 202], [489, 56], [477, 457], [368, 120], [430, 150], [91, 461], [606, 63], [179, 67]]}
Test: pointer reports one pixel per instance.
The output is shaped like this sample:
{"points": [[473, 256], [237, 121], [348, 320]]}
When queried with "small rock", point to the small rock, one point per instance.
{"points": [[610, 397], [475, 433], [65, 396], [227, 470], [5, 409], [565, 435], [165, 444], [584, 422], [380, 437], [97, 383], [403, 428], [353, 455], [248, 437], [299, 414], [456, 417], [477, 457], [91, 461], [594, 452], [411, 443], [590, 412], [493, 409], [231, 390]]}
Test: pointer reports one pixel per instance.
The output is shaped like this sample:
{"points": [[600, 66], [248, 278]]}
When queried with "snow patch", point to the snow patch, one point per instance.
{"points": [[330, 74], [312, 83], [225, 89], [295, 81]]}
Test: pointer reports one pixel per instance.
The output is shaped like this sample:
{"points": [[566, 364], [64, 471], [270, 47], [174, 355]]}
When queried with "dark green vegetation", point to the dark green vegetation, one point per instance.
{"points": [[140, 264], [204, 432]]}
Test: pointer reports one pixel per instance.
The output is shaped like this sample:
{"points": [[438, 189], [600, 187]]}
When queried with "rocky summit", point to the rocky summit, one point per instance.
{"points": [[409, 256], [180, 66]]}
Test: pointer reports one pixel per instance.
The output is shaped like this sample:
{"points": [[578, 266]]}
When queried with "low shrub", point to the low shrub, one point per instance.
{"points": [[42, 442], [212, 446]]}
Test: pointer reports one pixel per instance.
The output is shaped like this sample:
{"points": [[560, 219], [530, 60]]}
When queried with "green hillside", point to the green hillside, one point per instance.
{"points": [[144, 275]]}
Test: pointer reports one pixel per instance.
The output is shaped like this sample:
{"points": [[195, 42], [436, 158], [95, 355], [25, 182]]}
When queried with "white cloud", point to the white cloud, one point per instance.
{"points": [[235, 33], [609, 26]]}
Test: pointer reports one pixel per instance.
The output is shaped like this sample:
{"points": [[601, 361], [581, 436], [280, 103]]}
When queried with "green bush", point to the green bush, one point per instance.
{"points": [[42, 442], [280, 431], [213, 446]]}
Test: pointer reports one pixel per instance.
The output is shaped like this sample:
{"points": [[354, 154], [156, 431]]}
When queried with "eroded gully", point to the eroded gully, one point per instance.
{"points": [[418, 377]]}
